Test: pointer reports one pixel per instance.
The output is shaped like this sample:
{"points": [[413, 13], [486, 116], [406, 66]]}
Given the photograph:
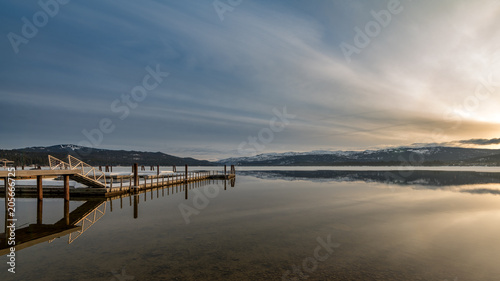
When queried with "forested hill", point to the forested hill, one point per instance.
{"points": [[39, 156]]}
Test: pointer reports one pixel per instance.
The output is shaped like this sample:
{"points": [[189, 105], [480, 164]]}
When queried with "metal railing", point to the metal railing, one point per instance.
{"points": [[75, 163], [57, 164], [86, 169]]}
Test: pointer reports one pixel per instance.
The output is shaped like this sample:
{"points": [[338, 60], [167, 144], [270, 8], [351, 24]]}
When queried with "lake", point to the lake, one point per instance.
{"points": [[314, 223]]}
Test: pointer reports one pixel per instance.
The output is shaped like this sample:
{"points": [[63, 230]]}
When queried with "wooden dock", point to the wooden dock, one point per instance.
{"points": [[75, 223], [98, 183]]}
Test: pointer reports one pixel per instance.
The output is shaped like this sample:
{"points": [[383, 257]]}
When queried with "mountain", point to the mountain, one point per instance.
{"points": [[39, 155], [437, 155]]}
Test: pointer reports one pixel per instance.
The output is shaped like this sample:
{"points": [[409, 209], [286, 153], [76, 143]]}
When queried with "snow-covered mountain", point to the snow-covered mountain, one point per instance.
{"points": [[437, 155]]}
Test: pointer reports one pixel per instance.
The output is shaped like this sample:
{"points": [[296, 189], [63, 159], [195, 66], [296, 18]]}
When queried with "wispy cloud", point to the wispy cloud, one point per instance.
{"points": [[226, 77], [481, 141]]}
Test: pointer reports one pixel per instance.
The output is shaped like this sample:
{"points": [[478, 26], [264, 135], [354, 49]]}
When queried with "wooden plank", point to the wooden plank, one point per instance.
{"points": [[43, 173]]}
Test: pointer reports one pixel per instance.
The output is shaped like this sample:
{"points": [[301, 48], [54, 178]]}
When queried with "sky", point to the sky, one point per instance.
{"points": [[228, 78]]}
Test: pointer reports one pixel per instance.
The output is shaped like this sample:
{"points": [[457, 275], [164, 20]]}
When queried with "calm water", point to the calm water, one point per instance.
{"points": [[323, 225]]}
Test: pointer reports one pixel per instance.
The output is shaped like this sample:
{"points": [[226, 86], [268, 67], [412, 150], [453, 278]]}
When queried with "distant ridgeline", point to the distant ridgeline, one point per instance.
{"points": [[423, 156], [39, 156], [409, 156]]}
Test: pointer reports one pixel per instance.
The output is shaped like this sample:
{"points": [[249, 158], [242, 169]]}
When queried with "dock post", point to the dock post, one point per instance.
{"points": [[186, 173], [174, 169], [157, 170], [66, 187], [224, 170], [136, 174], [39, 187]]}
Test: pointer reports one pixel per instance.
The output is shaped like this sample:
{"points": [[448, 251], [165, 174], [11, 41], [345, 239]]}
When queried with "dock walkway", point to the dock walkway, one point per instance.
{"points": [[98, 183]]}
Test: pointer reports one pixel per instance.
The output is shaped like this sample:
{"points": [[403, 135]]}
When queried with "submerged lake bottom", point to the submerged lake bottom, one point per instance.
{"points": [[278, 225]]}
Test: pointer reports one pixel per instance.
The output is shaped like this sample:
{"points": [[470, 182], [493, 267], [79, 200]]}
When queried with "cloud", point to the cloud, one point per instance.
{"points": [[480, 141], [226, 77]]}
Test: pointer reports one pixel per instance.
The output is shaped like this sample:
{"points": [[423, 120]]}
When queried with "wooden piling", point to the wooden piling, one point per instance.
{"points": [[39, 187], [66, 187], [136, 174]]}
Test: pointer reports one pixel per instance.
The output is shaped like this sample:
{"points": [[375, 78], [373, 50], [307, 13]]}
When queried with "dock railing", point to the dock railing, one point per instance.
{"points": [[75, 163], [86, 169]]}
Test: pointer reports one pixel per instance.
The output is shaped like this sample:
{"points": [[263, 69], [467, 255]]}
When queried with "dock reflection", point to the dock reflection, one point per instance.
{"points": [[75, 223]]}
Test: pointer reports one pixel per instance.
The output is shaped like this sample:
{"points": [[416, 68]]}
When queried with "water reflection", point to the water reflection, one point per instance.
{"points": [[464, 181], [75, 222], [78, 221], [267, 228]]}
